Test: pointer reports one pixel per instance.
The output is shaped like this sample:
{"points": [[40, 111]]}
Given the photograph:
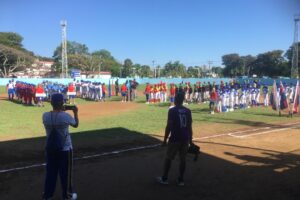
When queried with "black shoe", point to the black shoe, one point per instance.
{"points": [[180, 182]]}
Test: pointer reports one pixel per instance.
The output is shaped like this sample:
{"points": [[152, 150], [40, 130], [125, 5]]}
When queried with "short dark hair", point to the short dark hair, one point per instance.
{"points": [[179, 98], [57, 100]]}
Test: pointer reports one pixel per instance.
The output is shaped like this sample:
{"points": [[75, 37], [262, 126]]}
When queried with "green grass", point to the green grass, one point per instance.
{"points": [[2, 89], [21, 127], [19, 121]]}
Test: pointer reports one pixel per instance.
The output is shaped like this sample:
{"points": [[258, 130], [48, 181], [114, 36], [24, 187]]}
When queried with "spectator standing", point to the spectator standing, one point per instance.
{"points": [[59, 150]]}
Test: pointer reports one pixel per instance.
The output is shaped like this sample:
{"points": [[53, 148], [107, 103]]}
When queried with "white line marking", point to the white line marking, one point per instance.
{"points": [[265, 132], [155, 145], [84, 157]]}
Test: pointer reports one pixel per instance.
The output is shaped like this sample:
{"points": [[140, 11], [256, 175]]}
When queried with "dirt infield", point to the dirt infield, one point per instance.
{"points": [[3, 96], [93, 110], [252, 164]]}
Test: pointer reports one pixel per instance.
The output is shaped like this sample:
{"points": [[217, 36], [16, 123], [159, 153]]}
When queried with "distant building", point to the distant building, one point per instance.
{"points": [[105, 75], [38, 69]]}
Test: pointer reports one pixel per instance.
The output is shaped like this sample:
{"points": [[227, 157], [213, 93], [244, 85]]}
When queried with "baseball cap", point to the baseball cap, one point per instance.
{"points": [[56, 98]]}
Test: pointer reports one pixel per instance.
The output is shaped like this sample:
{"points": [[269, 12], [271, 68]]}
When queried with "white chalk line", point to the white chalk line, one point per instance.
{"points": [[265, 132], [84, 157], [149, 147]]}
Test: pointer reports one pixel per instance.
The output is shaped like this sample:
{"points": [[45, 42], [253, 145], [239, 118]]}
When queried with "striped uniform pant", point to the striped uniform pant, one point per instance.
{"points": [[59, 162]]}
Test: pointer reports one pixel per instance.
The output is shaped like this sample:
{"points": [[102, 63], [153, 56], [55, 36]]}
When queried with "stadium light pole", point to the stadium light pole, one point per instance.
{"points": [[294, 68], [64, 62]]}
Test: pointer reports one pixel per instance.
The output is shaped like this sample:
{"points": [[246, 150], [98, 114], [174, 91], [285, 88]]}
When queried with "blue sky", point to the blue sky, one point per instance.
{"points": [[192, 31]]}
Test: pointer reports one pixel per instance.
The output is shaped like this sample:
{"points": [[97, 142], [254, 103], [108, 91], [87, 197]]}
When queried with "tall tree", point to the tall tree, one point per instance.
{"points": [[127, 68], [104, 54], [233, 64], [192, 71], [289, 55], [13, 60], [72, 48], [108, 62], [218, 71], [11, 39], [174, 69], [270, 63], [145, 71], [86, 63], [248, 64], [136, 70]]}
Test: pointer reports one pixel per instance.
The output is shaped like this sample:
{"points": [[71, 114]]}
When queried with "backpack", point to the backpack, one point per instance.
{"points": [[55, 141]]}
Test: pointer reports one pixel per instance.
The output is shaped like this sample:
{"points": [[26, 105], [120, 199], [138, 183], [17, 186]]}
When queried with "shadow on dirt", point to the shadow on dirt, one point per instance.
{"points": [[271, 175], [27, 151]]}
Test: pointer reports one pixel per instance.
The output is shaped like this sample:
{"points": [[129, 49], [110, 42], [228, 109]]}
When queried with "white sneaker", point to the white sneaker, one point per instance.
{"points": [[74, 197], [162, 181]]}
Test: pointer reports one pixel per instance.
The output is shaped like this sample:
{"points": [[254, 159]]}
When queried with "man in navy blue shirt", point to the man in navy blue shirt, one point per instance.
{"points": [[179, 134]]}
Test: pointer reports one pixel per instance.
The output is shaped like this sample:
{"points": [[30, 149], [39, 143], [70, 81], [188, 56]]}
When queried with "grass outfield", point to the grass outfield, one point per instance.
{"points": [[19, 121]]}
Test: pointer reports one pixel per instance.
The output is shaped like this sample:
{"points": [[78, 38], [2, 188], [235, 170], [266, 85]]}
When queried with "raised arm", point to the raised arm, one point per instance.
{"points": [[75, 112]]}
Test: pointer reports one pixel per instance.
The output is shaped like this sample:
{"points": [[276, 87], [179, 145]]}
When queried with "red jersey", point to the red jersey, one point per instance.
{"points": [[104, 88], [71, 88], [148, 89], [172, 91], [40, 90], [213, 96], [123, 88]]}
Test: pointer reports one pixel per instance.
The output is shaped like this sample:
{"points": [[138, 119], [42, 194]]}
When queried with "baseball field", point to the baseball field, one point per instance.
{"points": [[250, 154]]}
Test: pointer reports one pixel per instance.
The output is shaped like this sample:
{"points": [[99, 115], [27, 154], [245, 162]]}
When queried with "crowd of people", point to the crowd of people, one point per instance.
{"points": [[31, 94], [128, 90], [223, 97], [226, 96]]}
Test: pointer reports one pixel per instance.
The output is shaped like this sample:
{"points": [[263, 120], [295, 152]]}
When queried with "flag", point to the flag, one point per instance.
{"points": [[274, 101], [283, 100], [296, 98]]}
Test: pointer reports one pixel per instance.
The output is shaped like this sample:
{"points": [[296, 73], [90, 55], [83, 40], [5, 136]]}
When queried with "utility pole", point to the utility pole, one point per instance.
{"points": [[198, 68], [100, 66], [294, 69], [158, 67], [209, 66], [64, 57], [153, 61], [133, 71]]}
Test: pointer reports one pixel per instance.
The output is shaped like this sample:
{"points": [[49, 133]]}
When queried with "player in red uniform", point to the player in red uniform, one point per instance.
{"points": [[71, 93], [123, 92], [40, 95], [104, 91], [172, 94], [147, 93]]}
